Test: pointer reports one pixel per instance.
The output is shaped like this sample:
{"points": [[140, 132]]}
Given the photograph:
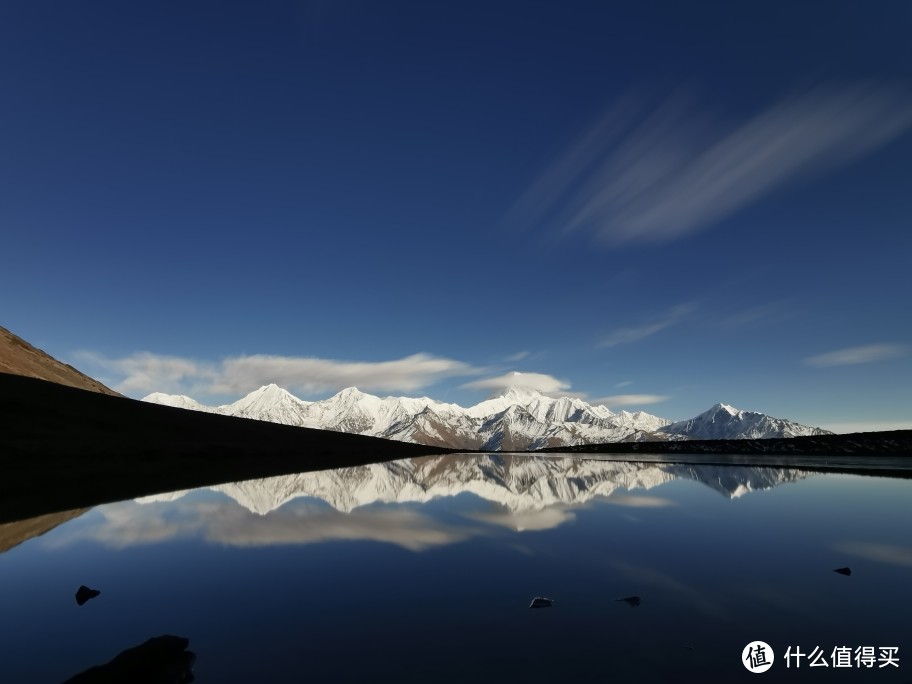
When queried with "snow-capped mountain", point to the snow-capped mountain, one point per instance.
{"points": [[726, 422], [519, 483], [516, 420]]}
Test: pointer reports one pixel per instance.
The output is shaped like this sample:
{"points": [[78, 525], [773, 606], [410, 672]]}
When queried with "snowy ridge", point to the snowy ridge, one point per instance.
{"points": [[516, 420], [722, 421], [519, 483]]}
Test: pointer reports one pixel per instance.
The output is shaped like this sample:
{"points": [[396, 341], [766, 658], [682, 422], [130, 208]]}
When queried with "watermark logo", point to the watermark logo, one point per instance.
{"points": [[844, 656], [757, 656]]}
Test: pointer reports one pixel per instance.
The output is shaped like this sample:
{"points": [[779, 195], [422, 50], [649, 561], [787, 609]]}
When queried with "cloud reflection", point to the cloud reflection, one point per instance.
{"points": [[893, 554], [646, 575], [638, 501], [387, 502], [224, 522], [527, 521]]}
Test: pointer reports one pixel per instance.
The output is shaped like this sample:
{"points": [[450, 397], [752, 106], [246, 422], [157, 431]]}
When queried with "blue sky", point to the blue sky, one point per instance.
{"points": [[658, 205]]}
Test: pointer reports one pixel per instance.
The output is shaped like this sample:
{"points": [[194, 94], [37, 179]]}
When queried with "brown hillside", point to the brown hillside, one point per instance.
{"points": [[18, 357]]}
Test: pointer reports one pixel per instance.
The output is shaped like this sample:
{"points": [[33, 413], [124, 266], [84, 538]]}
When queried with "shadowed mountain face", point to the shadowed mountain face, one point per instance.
{"points": [[18, 357]]}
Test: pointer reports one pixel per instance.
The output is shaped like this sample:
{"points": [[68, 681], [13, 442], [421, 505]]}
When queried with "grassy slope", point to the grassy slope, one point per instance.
{"points": [[20, 358]]}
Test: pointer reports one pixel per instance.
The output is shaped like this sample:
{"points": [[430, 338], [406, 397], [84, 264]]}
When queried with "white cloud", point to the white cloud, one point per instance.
{"points": [[631, 399], [641, 332], [534, 381], [246, 373], [141, 373], [623, 383], [653, 176], [145, 372], [855, 355]]}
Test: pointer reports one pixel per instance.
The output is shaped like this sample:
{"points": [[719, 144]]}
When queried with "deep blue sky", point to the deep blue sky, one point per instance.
{"points": [[686, 202]]}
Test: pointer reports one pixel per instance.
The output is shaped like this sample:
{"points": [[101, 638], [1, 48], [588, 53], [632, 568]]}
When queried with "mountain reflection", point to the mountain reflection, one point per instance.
{"points": [[519, 483], [384, 502]]}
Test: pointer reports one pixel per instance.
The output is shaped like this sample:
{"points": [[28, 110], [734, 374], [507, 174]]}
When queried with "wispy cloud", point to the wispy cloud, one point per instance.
{"points": [[761, 315], [144, 372], [631, 399], [623, 383], [640, 332], [854, 355], [534, 381], [518, 356], [654, 174]]}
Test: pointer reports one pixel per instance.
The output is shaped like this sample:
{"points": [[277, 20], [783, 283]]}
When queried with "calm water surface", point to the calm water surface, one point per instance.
{"points": [[423, 570]]}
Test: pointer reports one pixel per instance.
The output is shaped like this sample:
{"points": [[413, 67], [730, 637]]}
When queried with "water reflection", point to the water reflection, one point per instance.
{"points": [[892, 554], [519, 483], [425, 568], [378, 502]]}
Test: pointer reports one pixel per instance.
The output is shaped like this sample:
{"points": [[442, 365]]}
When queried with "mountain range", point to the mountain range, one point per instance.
{"points": [[515, 420]]}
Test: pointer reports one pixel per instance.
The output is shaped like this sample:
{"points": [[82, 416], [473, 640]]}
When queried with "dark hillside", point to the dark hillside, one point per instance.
{"points": [[63, 448]]}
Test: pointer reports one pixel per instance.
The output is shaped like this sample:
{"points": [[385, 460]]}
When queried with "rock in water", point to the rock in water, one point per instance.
{"points": [[632, 601], [844, 571], [541, 602], [83, 594], [160, 660]]}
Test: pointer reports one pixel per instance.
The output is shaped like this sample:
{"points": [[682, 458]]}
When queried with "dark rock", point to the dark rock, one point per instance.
{"points": [[844, 571], [160, 660], [632, 601], [541, 602], [84, 594]]}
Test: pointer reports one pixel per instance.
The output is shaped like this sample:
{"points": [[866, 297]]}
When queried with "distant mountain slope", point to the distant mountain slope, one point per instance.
{"points": [[726, 422], [18, 357], [515, 420]]}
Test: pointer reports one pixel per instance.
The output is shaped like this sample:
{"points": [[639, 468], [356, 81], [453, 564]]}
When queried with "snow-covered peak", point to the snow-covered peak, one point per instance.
{"points": [[177, 401], [271, 391], [730, 410], [518, 419], [270, 403], [349, 394], [726, 422], [519, 394]]}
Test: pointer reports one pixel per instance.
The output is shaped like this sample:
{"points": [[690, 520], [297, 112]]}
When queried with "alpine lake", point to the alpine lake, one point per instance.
{"points": [[424, 570]]}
